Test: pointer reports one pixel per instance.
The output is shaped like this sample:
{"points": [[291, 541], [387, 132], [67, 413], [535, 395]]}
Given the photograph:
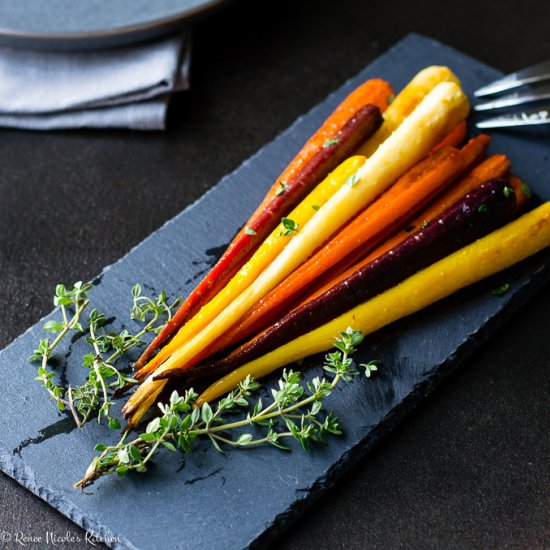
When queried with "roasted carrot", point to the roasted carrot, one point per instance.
{"points": [[267, 252], [440, 111], [374, 92], [455, 138], [470, 154], [377, 92], [500, 249], [478, 213], [450, 165], [353, 121], [392, 210], [405, 103], [493, 167]]}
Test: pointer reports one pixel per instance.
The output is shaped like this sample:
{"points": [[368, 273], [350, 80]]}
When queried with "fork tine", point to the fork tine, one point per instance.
{"points": [[530, 75], [538, 93], [527, 117]]}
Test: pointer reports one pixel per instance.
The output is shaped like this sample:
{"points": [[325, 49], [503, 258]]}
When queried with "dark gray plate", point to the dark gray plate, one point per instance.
{"points": [[242, 498], [70, 24]]}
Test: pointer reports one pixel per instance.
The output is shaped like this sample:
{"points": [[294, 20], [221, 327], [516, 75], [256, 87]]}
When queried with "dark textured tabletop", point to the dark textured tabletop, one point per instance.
{"points": [[470, 468]]}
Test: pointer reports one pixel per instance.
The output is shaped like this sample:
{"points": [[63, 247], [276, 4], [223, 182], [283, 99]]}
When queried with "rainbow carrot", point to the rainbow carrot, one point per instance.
{"points": [[392, 210], [478, 213], [353, 121], [493, 167], [440, 111], [377, 92], [267, 252], [500, 249]]}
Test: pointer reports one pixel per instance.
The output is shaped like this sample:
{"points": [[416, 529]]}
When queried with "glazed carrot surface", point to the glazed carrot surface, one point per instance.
{"points": [[374, 92], [267, 252], [336, 139], [402, 201], [493, 167], [497, 251], [481, 211], [455, 138], [440, 111]]}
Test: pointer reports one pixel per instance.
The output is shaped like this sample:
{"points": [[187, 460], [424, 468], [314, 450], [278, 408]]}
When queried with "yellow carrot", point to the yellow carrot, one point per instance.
{"points": [[405, 103], [267, 252], [497, 251], [440, 111]]}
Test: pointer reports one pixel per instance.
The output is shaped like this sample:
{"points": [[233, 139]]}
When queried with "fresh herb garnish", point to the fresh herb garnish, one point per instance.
{"points": [[295, 412], [290, 226], [330, 142], [353, 180], [250, 231], [95, 394], [526, 190], [77, 300], [425, 224], [483, 208], [315, 207], [508, 191], [502, 289], [282, 188]]}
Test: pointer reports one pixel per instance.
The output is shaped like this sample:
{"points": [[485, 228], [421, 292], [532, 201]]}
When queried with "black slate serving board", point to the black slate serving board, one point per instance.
{"points": [[244, 498]]}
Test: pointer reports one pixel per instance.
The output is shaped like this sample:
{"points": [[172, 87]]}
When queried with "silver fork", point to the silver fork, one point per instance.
{"points": [[535, 84]]}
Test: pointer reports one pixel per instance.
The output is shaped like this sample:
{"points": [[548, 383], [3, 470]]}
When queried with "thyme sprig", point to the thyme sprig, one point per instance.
{"points": [[77, 298], [295, 412], [95, 394]]}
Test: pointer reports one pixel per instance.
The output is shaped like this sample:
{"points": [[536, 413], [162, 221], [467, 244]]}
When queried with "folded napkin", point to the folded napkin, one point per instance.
{"points": [[127, 87]]}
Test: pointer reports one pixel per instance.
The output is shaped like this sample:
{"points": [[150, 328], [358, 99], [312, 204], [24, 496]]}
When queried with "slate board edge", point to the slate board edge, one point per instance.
{"points": [[412, 401], [11, 464]]}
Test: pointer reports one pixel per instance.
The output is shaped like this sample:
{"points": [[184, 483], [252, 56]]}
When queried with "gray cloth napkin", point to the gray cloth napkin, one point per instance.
{"points": [[126, 87]]}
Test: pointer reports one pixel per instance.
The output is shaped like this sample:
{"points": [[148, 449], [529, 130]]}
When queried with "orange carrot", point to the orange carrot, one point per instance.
{"points": [[493, 167], [471, 154], [454, 138], [261, 259], [484, 257], [434, 117], [293, 184], [458, 226]]}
